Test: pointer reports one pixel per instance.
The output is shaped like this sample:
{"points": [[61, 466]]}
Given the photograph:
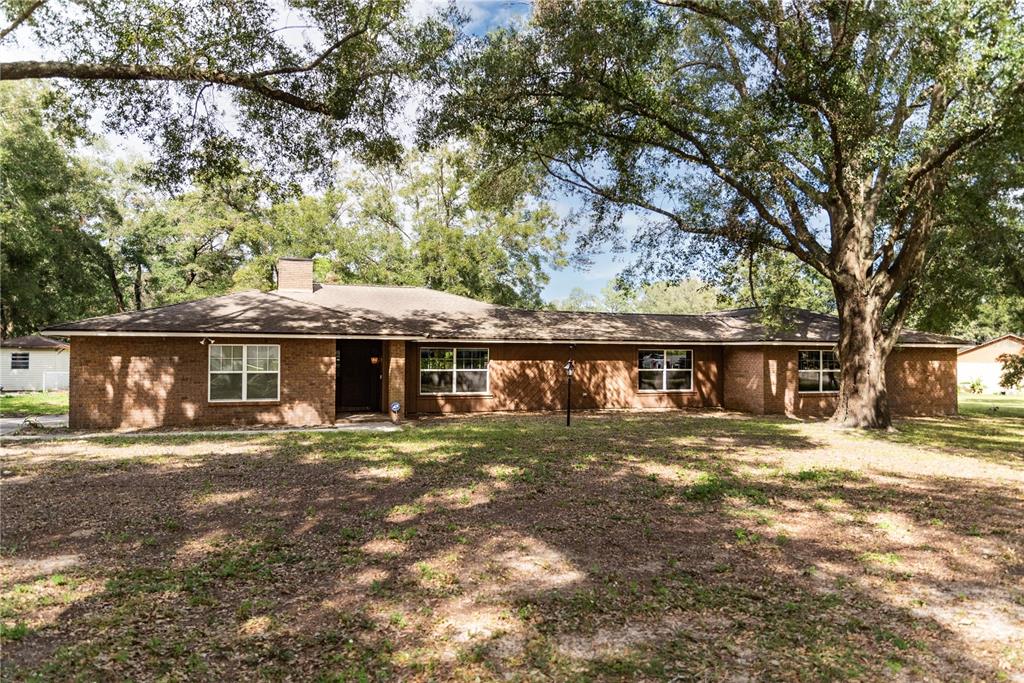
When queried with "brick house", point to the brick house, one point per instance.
{"points": [[304, 353]]}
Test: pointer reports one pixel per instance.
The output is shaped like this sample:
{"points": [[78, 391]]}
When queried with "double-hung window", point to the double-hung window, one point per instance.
{"points": [[819, 371], [19, 360], [454, 371], [245, 372], [665, 370]]}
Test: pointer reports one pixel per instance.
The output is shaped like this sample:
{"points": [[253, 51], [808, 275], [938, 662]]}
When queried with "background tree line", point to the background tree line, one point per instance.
{"points": [[83, 236]]}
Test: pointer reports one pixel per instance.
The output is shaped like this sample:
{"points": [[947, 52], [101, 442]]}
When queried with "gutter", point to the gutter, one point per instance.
{"points": [[464, 340]]}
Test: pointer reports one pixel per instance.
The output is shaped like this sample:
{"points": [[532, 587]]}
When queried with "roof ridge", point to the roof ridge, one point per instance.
{"points": [[556, 310], [423, 288], [710, 314], [151, 308]]}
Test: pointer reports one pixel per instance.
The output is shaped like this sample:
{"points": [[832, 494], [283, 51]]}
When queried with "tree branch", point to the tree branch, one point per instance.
{"points": [[583, 183], [309, 66], [802, 243], [21, 18], [12, 71], [891, 332]]}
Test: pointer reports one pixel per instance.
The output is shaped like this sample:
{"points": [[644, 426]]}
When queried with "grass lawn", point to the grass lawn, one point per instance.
{"points": [[992, 405], [34, 403], [657, 547]]}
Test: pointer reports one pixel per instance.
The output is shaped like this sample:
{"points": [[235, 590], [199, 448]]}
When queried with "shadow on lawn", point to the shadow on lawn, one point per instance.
{"points": [[621, 548], [993, 438]]}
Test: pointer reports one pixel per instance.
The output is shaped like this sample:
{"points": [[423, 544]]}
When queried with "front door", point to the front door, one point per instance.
{"points": [[359, 364]]}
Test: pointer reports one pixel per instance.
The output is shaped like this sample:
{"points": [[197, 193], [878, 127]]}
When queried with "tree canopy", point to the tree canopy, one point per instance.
{"points": [[417, 224], [53, 208], [214, 86], [838, 132]]}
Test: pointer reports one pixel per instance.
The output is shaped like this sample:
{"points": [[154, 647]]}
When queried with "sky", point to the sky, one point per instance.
{"points": [[483, 16]]}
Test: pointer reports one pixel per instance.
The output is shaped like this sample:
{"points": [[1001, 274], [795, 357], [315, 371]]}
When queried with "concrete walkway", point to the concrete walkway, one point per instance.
{"points": [[10, 425], [356, 427]]}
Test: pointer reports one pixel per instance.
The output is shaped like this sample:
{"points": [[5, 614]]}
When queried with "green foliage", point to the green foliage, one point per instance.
{"points": [[221, 86], [973, 283], [580, 299], [779, 281], [846, 134], [975, 386], [685, 296], [83, 239], [434, 223], [417, 224], [53, 211], [1012, 374]]}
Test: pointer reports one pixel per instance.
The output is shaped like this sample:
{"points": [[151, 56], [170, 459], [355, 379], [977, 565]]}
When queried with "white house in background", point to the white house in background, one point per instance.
{"points": [[34, 364], [981, 362]]}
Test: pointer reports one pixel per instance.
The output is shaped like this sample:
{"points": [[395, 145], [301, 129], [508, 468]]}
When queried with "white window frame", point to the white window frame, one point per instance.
{"points": [[455, 370], [664, 371], [821, 371], [28, 360], [245, 372]]}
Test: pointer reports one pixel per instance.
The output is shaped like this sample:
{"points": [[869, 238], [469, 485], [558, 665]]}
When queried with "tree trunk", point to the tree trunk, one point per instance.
{"points": [[107, 263], [863, 350], [137, 287]]}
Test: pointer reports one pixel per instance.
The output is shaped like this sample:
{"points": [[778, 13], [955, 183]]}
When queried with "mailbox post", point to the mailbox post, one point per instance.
{"points": [[570, 367]]}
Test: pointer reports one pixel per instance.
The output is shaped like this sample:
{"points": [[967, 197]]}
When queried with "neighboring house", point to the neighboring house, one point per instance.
{"points": [[305, 352], [33, 364], [981, 362]]}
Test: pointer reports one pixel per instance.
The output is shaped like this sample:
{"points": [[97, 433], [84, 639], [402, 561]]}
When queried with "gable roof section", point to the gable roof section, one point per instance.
{"points": [[424, 314], [34, 342], [1006, 337]]}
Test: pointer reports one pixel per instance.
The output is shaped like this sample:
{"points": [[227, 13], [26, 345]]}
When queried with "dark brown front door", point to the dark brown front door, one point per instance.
{"points": [[359, 376]]}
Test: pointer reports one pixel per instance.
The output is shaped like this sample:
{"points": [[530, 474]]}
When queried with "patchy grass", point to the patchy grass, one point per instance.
{"points": [[988, 426], [34, 403], [656, 547]]}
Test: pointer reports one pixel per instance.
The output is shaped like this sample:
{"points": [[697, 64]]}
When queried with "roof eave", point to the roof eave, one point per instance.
{"points": [[463, 339]]}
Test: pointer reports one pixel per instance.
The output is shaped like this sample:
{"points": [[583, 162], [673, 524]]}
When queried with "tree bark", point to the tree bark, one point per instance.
{"points": [[863, 351], [256, 83], [107, 263], [137, 287]]}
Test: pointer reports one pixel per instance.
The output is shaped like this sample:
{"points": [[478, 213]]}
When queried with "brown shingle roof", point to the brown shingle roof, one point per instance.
{"points": [[32, 342], [420, 313]]}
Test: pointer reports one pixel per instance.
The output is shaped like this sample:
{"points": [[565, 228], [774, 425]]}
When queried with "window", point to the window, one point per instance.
{"points": [[818, 371], [19, 360], [250, 372], [454, 371], [665, 370]]}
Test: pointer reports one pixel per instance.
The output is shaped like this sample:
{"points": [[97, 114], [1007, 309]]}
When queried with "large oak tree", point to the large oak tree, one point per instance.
{"points": [[832, 130]]}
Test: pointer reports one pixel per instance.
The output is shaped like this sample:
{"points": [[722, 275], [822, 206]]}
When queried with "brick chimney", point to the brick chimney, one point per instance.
{"points": [[295, 274]]}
